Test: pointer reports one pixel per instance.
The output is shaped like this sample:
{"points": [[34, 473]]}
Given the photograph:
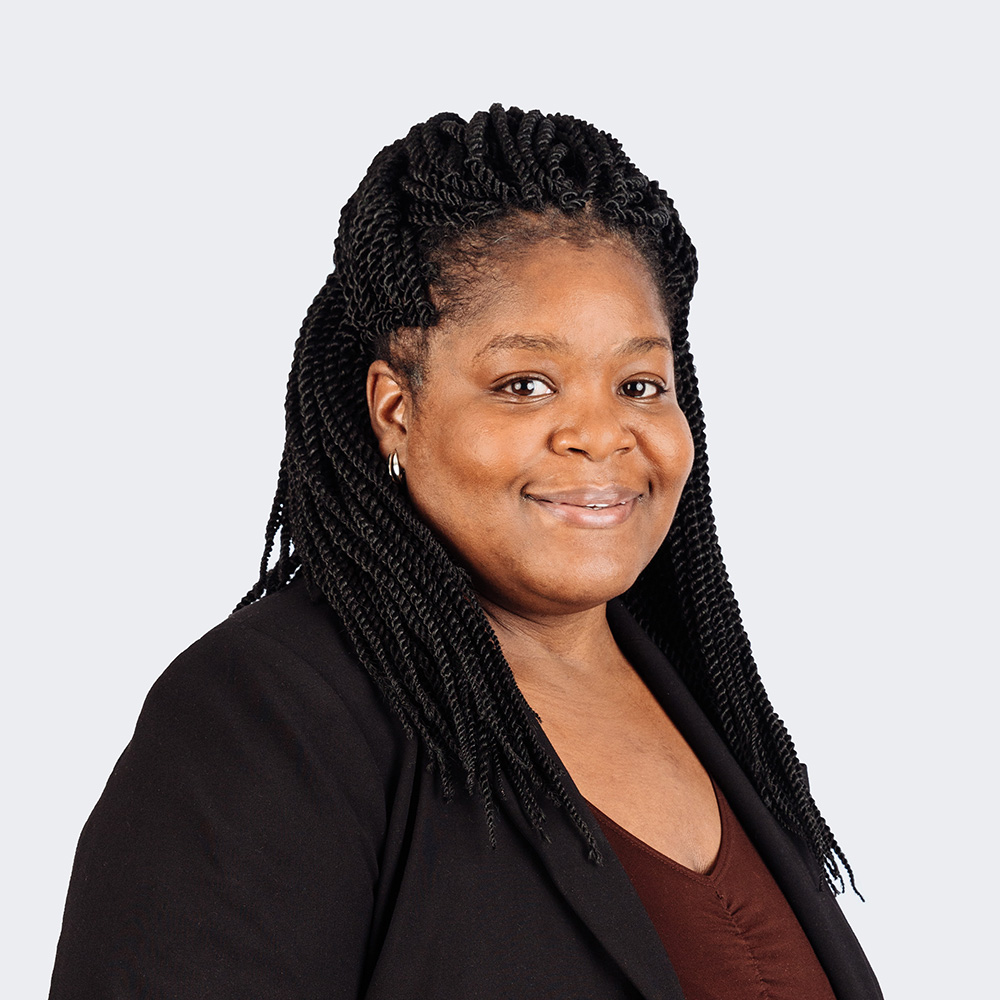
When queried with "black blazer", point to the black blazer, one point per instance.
{"points": [[270, 832]]}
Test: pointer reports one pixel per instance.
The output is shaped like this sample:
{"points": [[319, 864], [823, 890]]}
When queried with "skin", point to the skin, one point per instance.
{"points": [[546, 449]]}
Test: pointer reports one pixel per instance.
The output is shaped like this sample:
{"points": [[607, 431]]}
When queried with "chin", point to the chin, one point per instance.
{"points": [[583, 587]]}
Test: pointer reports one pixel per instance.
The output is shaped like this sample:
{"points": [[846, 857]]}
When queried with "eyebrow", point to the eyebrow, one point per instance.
{"points": [[520, 342], [640, 345], [524, 342]]}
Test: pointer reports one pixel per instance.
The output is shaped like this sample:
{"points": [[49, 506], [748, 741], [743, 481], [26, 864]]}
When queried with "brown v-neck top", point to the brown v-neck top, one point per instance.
{"points": [[730, 934]]}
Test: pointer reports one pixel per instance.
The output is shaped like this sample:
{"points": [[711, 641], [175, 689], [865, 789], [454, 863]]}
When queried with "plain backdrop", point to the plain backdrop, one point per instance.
{"points": [[172, 183]]}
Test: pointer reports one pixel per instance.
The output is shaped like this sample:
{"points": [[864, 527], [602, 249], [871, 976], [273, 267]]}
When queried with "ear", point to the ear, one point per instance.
{"points": [[389, 408]]}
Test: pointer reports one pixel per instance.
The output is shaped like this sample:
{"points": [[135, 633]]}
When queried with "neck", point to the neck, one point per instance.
{"points": [[573, 646]]}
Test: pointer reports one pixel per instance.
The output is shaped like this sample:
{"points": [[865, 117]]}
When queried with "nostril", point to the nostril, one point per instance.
{"points": [[594, 435]]}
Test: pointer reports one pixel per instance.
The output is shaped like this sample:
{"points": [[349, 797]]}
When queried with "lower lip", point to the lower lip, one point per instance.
{"points": [[588, 517]]}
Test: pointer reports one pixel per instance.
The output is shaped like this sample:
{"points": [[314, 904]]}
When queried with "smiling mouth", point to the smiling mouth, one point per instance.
{"points": [[589, 507], [586, 506]]}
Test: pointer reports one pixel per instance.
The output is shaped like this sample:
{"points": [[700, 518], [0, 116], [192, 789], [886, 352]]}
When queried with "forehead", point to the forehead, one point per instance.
{"points": [[555, 294]]}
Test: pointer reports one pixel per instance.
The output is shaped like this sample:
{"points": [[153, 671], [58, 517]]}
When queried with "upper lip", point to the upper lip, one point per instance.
{"points": [[587, 496]]}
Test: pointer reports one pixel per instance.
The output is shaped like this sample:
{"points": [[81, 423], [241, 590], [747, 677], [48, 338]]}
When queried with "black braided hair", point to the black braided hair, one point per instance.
{"points": [[429, 204]]}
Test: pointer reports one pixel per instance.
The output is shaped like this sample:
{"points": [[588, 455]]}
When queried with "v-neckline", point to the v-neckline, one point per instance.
{"points": [[711, 874]]}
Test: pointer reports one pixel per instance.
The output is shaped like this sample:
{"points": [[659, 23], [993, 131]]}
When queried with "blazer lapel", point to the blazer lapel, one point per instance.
{"points": [[605, 899], [602, 895], [788, 859]]}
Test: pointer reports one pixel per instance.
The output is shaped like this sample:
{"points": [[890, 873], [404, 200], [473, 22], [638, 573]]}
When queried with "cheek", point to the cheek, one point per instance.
{"points": [[673, 451], [462, 454], [685, 452]]}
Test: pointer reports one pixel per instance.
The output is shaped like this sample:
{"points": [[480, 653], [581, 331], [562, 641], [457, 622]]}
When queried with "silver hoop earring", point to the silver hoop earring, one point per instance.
{"points": [[396, 473]]}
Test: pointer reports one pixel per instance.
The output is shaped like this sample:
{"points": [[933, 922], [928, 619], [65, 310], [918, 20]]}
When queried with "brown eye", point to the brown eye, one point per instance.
{"points": [[642, 389], [527, 388]]}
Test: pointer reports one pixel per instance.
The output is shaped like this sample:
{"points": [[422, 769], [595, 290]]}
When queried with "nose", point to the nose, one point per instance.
{"points": [[596, 429]]}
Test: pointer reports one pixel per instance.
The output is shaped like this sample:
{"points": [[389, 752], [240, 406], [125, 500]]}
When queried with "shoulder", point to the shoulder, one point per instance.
{"points": [[286, 652], [272, 697], [281, 637], [247, 817]]}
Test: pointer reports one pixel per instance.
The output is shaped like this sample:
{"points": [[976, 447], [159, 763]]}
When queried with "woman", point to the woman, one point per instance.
{"points": [[490, 725]]}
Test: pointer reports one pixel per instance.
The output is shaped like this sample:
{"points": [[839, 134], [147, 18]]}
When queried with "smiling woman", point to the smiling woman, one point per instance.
{"points": [[549, 416], [489, 725]]}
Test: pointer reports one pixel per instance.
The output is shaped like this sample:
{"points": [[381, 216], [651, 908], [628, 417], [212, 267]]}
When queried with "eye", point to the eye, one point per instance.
{"points": [[526, 387], [643, 388]]}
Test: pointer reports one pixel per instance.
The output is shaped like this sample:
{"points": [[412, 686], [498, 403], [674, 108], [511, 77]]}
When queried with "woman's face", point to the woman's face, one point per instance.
{"points": [[544, 445]]}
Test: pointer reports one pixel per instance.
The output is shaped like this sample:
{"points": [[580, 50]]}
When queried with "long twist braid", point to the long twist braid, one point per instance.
{"points": [[428, 202]]}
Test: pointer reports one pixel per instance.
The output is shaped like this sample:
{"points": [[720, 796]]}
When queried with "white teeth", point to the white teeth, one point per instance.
{"points": [[598, 506]]}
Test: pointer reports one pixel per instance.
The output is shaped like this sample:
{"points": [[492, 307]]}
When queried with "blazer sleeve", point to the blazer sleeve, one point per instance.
{"points": [[234, 851]]}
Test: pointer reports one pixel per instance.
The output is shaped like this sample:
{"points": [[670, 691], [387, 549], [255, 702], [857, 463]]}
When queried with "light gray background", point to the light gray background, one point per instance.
{"points": [[172, 191]]}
